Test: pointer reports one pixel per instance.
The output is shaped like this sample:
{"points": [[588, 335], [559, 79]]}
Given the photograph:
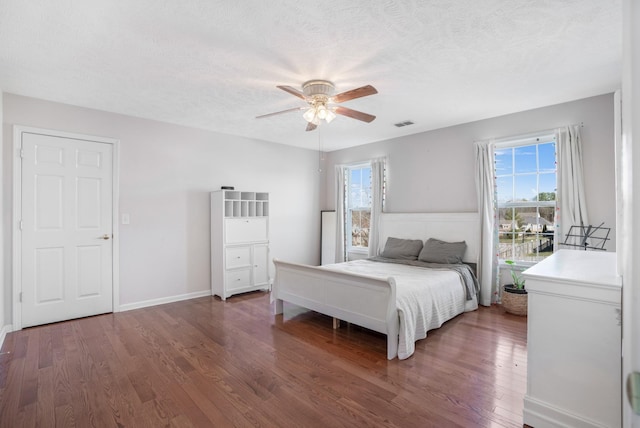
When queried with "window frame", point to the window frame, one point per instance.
{"points": [[350, 249], [513, 143]]}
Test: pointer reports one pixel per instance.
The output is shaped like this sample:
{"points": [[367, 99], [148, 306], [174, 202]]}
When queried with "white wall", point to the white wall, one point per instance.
{"points": [[166, 174], [435, 171]]}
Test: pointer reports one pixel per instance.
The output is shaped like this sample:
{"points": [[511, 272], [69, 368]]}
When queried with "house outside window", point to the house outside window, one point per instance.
{"points": [[358, 212], [526, 183]]}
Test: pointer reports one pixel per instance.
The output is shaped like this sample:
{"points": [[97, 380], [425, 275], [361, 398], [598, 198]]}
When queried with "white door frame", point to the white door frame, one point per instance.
{"points": [[18, 130], [630, 193]]}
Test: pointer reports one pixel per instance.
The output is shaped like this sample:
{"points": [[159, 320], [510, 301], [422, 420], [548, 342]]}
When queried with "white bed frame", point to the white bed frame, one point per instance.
{"points": [[363, 300]]}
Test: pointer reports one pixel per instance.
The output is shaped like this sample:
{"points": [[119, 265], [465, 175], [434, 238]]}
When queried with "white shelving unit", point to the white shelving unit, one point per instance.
{"points": [[239, 242]]}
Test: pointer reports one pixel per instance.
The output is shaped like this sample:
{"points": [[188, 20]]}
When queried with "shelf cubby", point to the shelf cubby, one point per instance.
{"points": [[230, 194], [228, 208], [246, 204]]}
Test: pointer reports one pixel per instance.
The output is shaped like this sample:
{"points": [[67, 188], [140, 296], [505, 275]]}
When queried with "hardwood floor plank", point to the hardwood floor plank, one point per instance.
{"points": [[206, 406], [192, 412], [64, 416], [204, 362], [62, 375], [45, 348], [182, 421], [29, 389], [26, 417], [11, 393], [77, 377], [45, 405], [142, 385]]}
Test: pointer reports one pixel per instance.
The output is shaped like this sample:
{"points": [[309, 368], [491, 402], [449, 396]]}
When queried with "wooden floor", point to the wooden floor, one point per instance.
{"points": [[204, 362]]}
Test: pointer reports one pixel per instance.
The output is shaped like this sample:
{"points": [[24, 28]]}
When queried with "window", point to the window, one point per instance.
{"points": [[526, 198], [358, 204]]}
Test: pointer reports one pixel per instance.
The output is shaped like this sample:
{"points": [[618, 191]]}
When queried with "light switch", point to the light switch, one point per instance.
{"points": [[125, 219]]}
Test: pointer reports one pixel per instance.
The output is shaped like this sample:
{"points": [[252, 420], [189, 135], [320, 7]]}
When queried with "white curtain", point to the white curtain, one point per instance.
{"points": [[485, 187], [377, 189], [340, 214], [570, 199]]}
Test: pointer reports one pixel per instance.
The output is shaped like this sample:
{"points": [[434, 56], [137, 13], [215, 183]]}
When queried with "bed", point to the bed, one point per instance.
{"points": [[375, 294]]}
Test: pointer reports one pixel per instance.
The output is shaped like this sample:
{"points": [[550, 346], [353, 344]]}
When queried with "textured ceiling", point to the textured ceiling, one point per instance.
{"points": [[215, 64]]}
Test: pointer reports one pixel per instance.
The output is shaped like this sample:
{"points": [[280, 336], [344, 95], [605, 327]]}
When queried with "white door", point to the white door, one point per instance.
{"points": [[66, 247]]}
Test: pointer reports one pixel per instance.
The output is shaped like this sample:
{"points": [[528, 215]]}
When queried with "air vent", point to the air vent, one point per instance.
{"points": [[401, 124]]}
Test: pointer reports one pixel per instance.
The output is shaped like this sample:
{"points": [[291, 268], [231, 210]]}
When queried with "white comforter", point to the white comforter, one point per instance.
{"points": [[426, 298]]}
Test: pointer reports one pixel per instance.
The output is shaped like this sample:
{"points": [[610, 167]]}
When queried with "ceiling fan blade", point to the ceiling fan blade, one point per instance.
{"points": [[292, 91], [354, 114], [354, 93], [311, 126], [280, 112]]}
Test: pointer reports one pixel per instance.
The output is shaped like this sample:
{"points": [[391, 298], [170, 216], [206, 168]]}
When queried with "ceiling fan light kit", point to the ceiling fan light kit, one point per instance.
{"points": [[319, 96]]}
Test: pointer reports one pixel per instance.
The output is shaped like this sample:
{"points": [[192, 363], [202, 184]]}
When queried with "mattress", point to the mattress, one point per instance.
{"points": [[425, 298]]}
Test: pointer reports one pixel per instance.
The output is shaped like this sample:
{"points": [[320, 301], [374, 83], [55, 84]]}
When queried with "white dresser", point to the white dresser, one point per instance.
{"points": [[574, 341], [239, 242]]}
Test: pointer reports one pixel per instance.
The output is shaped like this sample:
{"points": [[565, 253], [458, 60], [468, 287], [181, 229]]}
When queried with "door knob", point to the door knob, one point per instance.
{"points": [[105, 237]]}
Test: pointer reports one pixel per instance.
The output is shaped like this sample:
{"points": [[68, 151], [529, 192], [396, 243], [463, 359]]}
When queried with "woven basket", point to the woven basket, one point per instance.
{"points": [[514, 303]]}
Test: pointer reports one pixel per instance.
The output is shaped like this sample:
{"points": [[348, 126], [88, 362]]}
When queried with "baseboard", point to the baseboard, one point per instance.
{"points": [[538, 413], [164, 300], [3, 333]]}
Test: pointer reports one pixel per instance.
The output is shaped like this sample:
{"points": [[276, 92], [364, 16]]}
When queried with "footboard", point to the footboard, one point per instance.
{"points": [[359, 299]]}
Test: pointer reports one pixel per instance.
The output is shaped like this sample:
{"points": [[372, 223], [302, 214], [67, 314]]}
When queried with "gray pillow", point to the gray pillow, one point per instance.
{"points": [[403, 249], [437, 251]]}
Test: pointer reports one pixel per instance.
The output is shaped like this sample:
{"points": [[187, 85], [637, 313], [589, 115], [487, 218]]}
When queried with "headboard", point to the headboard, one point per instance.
{"points": [[451, 227]]}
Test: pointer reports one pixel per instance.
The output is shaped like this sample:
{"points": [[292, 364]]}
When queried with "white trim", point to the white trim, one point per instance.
{"points": [[525, 139], [617, 133], [519, 265], [527, 204], [356, 164], [164, 300], [359, 250], [17, 234], [115, 222], [3, 333], [18, 130], [538, 413]]}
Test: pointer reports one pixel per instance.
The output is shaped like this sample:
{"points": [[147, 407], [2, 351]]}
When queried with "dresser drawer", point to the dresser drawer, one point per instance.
{"points": [[240, 278], [236, 257]]}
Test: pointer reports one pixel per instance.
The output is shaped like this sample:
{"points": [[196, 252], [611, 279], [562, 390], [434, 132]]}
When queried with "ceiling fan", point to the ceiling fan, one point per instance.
{"points": [[322, 103]]}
